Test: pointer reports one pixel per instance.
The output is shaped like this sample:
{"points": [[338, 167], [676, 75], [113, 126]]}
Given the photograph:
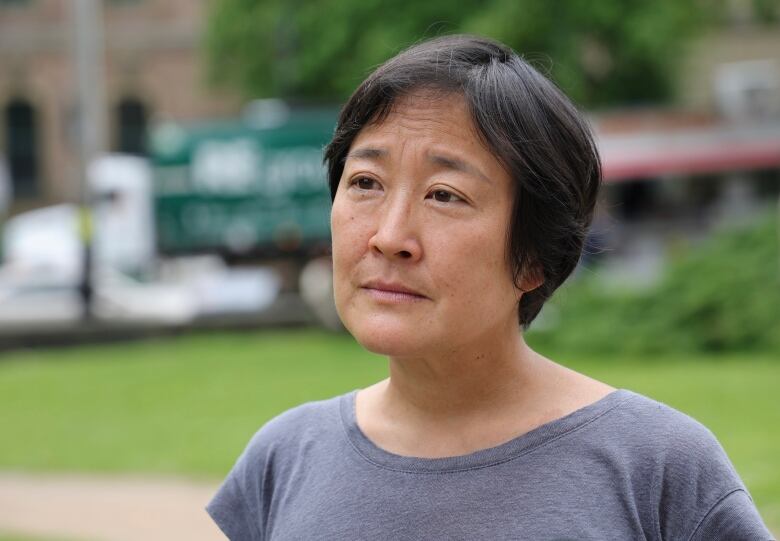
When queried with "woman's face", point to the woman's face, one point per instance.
{"points": [[419, 226]]}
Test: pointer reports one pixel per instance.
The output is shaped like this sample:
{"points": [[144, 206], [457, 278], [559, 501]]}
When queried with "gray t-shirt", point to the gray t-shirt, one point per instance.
{"points": [[625, 467]]}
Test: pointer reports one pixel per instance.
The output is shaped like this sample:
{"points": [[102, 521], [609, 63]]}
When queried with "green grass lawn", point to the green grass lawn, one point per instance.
{"points": [[188, 405]]}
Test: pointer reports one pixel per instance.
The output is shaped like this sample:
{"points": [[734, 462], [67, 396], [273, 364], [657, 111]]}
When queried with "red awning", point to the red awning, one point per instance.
{"points": [[638, 154]]}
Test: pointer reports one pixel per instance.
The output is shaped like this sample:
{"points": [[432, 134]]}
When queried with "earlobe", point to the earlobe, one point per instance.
{"points": [[530, 280], [531, 283]]}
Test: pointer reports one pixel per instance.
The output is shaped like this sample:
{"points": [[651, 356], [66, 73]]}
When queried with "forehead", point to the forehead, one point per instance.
{"points": [[427, 117]]}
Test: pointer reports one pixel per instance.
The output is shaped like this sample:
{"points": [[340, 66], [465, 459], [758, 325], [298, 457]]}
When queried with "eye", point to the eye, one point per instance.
{"points": [[443, 196], [364, 183]]}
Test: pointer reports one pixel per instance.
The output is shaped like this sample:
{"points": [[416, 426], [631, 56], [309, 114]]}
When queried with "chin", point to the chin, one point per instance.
{"points": [[390, 338]]}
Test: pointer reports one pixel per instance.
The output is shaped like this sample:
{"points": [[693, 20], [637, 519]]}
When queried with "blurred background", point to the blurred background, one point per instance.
{"points": [[165, 286]]}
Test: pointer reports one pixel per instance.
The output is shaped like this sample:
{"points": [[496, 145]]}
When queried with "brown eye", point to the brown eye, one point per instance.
{"points": [[443, 196], [365, 183]]}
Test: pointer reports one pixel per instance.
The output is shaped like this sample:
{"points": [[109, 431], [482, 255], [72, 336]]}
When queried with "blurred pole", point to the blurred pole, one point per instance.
{"points": [[89, 58]]}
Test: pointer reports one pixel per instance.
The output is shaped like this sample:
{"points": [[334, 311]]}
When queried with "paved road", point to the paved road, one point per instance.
{"points": [[106, 508]]}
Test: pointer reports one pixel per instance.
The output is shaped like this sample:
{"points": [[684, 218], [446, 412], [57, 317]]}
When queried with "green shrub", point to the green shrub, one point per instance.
{"points": [[721, 296]]}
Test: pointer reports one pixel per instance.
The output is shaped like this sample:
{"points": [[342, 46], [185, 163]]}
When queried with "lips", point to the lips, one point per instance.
{"points": [[392, 287]]}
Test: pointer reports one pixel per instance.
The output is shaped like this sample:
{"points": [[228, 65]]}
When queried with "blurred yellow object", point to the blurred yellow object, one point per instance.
{"points": [[85, 223]]}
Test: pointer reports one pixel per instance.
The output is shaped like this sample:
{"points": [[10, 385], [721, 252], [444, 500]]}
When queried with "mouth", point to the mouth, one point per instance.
{"points": [[392, 292]]}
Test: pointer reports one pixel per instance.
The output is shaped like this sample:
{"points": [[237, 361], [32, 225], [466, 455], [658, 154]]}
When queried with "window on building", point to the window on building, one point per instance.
{"points": [[21, 136], [130, 125], [636, 200]]}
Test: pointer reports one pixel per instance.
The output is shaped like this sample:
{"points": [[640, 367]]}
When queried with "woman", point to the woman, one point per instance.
{"points": [[463, 183]]}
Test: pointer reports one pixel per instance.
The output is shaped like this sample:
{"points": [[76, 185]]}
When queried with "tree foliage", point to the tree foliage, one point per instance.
{"points": [[601, 53], [721, 296]]}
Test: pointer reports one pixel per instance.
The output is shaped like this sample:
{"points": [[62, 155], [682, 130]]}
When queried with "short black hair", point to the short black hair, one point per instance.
{"points": [[529, 125]]}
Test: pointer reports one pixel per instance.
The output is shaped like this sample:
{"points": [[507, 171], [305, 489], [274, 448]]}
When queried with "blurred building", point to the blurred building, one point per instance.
{"points": [[674, 175], [153, 72], [734, 71]]}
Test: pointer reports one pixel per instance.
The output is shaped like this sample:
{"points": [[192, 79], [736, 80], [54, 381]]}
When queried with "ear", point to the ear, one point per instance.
{"points": [[531, 278]]}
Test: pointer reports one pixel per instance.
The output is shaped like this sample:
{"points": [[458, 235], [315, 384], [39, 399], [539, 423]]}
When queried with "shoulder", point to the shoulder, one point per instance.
{"points": [[667, 431], [661, 445], [285, 440], [241, 506], [689, 470], [295, 427], [666, 427], [681, 445]]}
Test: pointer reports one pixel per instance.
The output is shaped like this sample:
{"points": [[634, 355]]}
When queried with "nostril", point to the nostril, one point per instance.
{"points": [[405, 254]]}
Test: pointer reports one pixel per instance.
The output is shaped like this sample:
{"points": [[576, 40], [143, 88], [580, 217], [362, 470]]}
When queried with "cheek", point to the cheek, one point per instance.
{"points": [[349, 238], [346, 232], [477, 275]]}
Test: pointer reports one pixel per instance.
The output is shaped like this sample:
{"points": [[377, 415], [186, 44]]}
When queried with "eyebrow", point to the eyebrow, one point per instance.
{"points": [[366, 153], [457, 164], [445, 162]]}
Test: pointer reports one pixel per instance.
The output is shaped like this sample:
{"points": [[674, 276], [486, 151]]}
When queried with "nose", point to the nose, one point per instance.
{"points": [[396, 234]]}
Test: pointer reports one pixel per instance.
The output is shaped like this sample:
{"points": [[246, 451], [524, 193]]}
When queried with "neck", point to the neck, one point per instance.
{"points": [[464, 384]]}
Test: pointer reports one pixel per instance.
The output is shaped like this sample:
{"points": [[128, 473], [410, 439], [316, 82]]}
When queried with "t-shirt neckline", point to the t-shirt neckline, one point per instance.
{"points": [[478, 459]]}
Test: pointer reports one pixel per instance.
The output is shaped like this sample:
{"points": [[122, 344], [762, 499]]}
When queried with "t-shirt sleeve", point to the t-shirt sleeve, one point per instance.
{"points": [[240, 505], [701, 494], [734, 517], [230, 508]]}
